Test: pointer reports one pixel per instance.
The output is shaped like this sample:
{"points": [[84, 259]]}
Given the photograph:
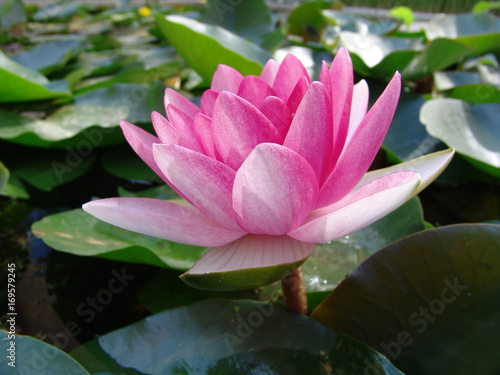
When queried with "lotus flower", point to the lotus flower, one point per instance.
{"points": [[266, 168]]}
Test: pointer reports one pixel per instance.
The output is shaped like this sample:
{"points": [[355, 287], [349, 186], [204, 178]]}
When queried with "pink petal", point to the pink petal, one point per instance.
{"points": [[274, 190], [226, 79], [252, 251], [289, 73], [325, 78], [359, 209], [360, 96], [429, 167], [341, 73], [179, 101], [278, 113], [207, 101], [269, 71], [203, 128], [238, 127], [363, 147], [142, 143], [182, 122], [206, 182], [311, 131], [255, 90], [297, 94], [163, 219], [169, 134]]}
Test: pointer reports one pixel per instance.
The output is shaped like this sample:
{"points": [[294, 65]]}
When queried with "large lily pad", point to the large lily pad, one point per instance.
{"points": [[425, 299], [476, 88], [309, 14], [480, 30], [237, 337], [21, 84], [4, 176], [204, 46], [34, 357], [79, 233], [471, 129], [248, 19], [51, 56], [92, 120]]}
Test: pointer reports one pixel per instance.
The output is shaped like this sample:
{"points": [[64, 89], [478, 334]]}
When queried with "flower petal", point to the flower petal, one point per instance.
{"points": [[289, 73], [311, 131], [163, 219], [207, 102], [169, 134], [203, 128], [278, 113], [429, 167], [363, 147], [206, 182], [179, 101], [325, 78], [255, 90], [342, 76], [181, 122], [274, 190], [238, 127], [226, 79], [358, 209], [269, 71], [249, 262], [297, 94], [142, 143], [360, 96]]}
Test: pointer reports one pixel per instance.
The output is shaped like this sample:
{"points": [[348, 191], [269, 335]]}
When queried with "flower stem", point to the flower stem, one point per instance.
{"points": [[294, 291]]}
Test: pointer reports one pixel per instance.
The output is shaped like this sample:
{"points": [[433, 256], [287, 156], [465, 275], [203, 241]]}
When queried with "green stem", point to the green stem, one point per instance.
{"points": [[294, 292]]}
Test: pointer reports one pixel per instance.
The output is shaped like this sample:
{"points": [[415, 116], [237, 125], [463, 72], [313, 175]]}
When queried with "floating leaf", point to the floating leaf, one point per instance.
{"points": [[79, 233], [223, 336], [23, 84], [34, 357], [471, 129], [425, 298], [204, 47], [248, 19], [51, 56], [403, 13], [74, 125], [479, 30], [308, 14], [4, 176], [124, 163]]}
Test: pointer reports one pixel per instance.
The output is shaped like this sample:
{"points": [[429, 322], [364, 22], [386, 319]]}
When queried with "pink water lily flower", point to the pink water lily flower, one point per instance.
{"points": [[268, 167]]}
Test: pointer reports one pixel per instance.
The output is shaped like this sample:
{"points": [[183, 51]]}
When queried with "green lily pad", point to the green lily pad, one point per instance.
{"points": [[480, 30], [379, 57], [50, 169], [403, 13], [14, 188], [407, 139], [476, 88], [96, 361], [12, 13], [204, 47], [308, 14], [249, 20], [424, 299], [240, 337], [34, 357], [471, 129], [50, 57], [79, 233], [21, 84], [356, 24], [91, 121], [4, 176]]}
